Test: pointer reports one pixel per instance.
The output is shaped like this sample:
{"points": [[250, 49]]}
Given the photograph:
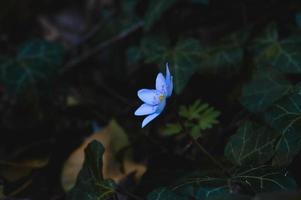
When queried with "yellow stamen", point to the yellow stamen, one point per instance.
{"points": [[161, 97]]}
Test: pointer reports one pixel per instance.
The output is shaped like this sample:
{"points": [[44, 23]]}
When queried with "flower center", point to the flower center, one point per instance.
{"points": [[161, 97]]}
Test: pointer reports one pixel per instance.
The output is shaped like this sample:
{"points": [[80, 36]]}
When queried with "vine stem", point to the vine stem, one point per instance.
{"points": [[204, 151], [101, 46]]}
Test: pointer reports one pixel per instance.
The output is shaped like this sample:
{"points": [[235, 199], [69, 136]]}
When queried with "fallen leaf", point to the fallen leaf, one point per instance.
{"points": [[114, 139]]}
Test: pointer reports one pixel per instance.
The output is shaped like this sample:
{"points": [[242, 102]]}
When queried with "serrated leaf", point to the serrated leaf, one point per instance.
{"points": [[284, 116], [266, 87], [198, 117], [193, 111], [155, 10], [172, 129], [284, 55], [164, 194], [208, 118], [36, 62], [251, 145], [265, 179], [90, 183]]}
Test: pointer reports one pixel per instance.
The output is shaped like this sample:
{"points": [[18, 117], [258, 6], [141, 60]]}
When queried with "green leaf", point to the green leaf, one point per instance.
{"points": [[90, 183], [284, 55], [225, 57], [155, 49], [164, 194], [230, 197], [298, 19], [36, 61], [193, 111], [183, 59], [208, 193], [266, 87], [172, 129], [184, 62], [129, 6], [202, 192], [284, 116], [134, 54], [251, 145], [155, 10], [198, 117], [265, 179], [208, 189]]}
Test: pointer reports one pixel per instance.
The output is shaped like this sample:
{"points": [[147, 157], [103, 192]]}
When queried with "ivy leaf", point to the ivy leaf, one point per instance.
{"points": [[251, 145], [128, 7], [298, 19], [183, 59], [266, 87], [230, 197], [208, 193], [155, 10], [90, 183], [226, 57], [36, 61], [155, 49], [134, 54], [208, 189], [202, 192], [164, 194], [284, 116], [265, 179], [184, 62], [284, 55]]}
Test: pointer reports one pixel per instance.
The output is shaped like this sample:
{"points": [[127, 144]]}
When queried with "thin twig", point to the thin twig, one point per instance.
{"points": [[101, 46]]}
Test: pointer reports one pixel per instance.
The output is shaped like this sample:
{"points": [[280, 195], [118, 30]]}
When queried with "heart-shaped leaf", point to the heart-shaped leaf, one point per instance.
{"points": [[284, 116], [266, 87], [285, 55], [251, 145], [36, 62]]}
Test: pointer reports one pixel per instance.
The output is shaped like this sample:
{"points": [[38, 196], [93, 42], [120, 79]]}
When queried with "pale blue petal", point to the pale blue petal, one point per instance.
{"points": [[146, 109], [169, 81], [161, 106], [151, 97], [161, 83], [149, 118]]}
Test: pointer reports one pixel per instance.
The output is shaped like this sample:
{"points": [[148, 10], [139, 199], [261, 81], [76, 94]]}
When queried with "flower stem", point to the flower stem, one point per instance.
{"points": [[204, 151]]}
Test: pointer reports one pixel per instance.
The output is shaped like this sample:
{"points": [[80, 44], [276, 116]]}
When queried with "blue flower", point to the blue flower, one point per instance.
{"points": [[155, 99]]}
